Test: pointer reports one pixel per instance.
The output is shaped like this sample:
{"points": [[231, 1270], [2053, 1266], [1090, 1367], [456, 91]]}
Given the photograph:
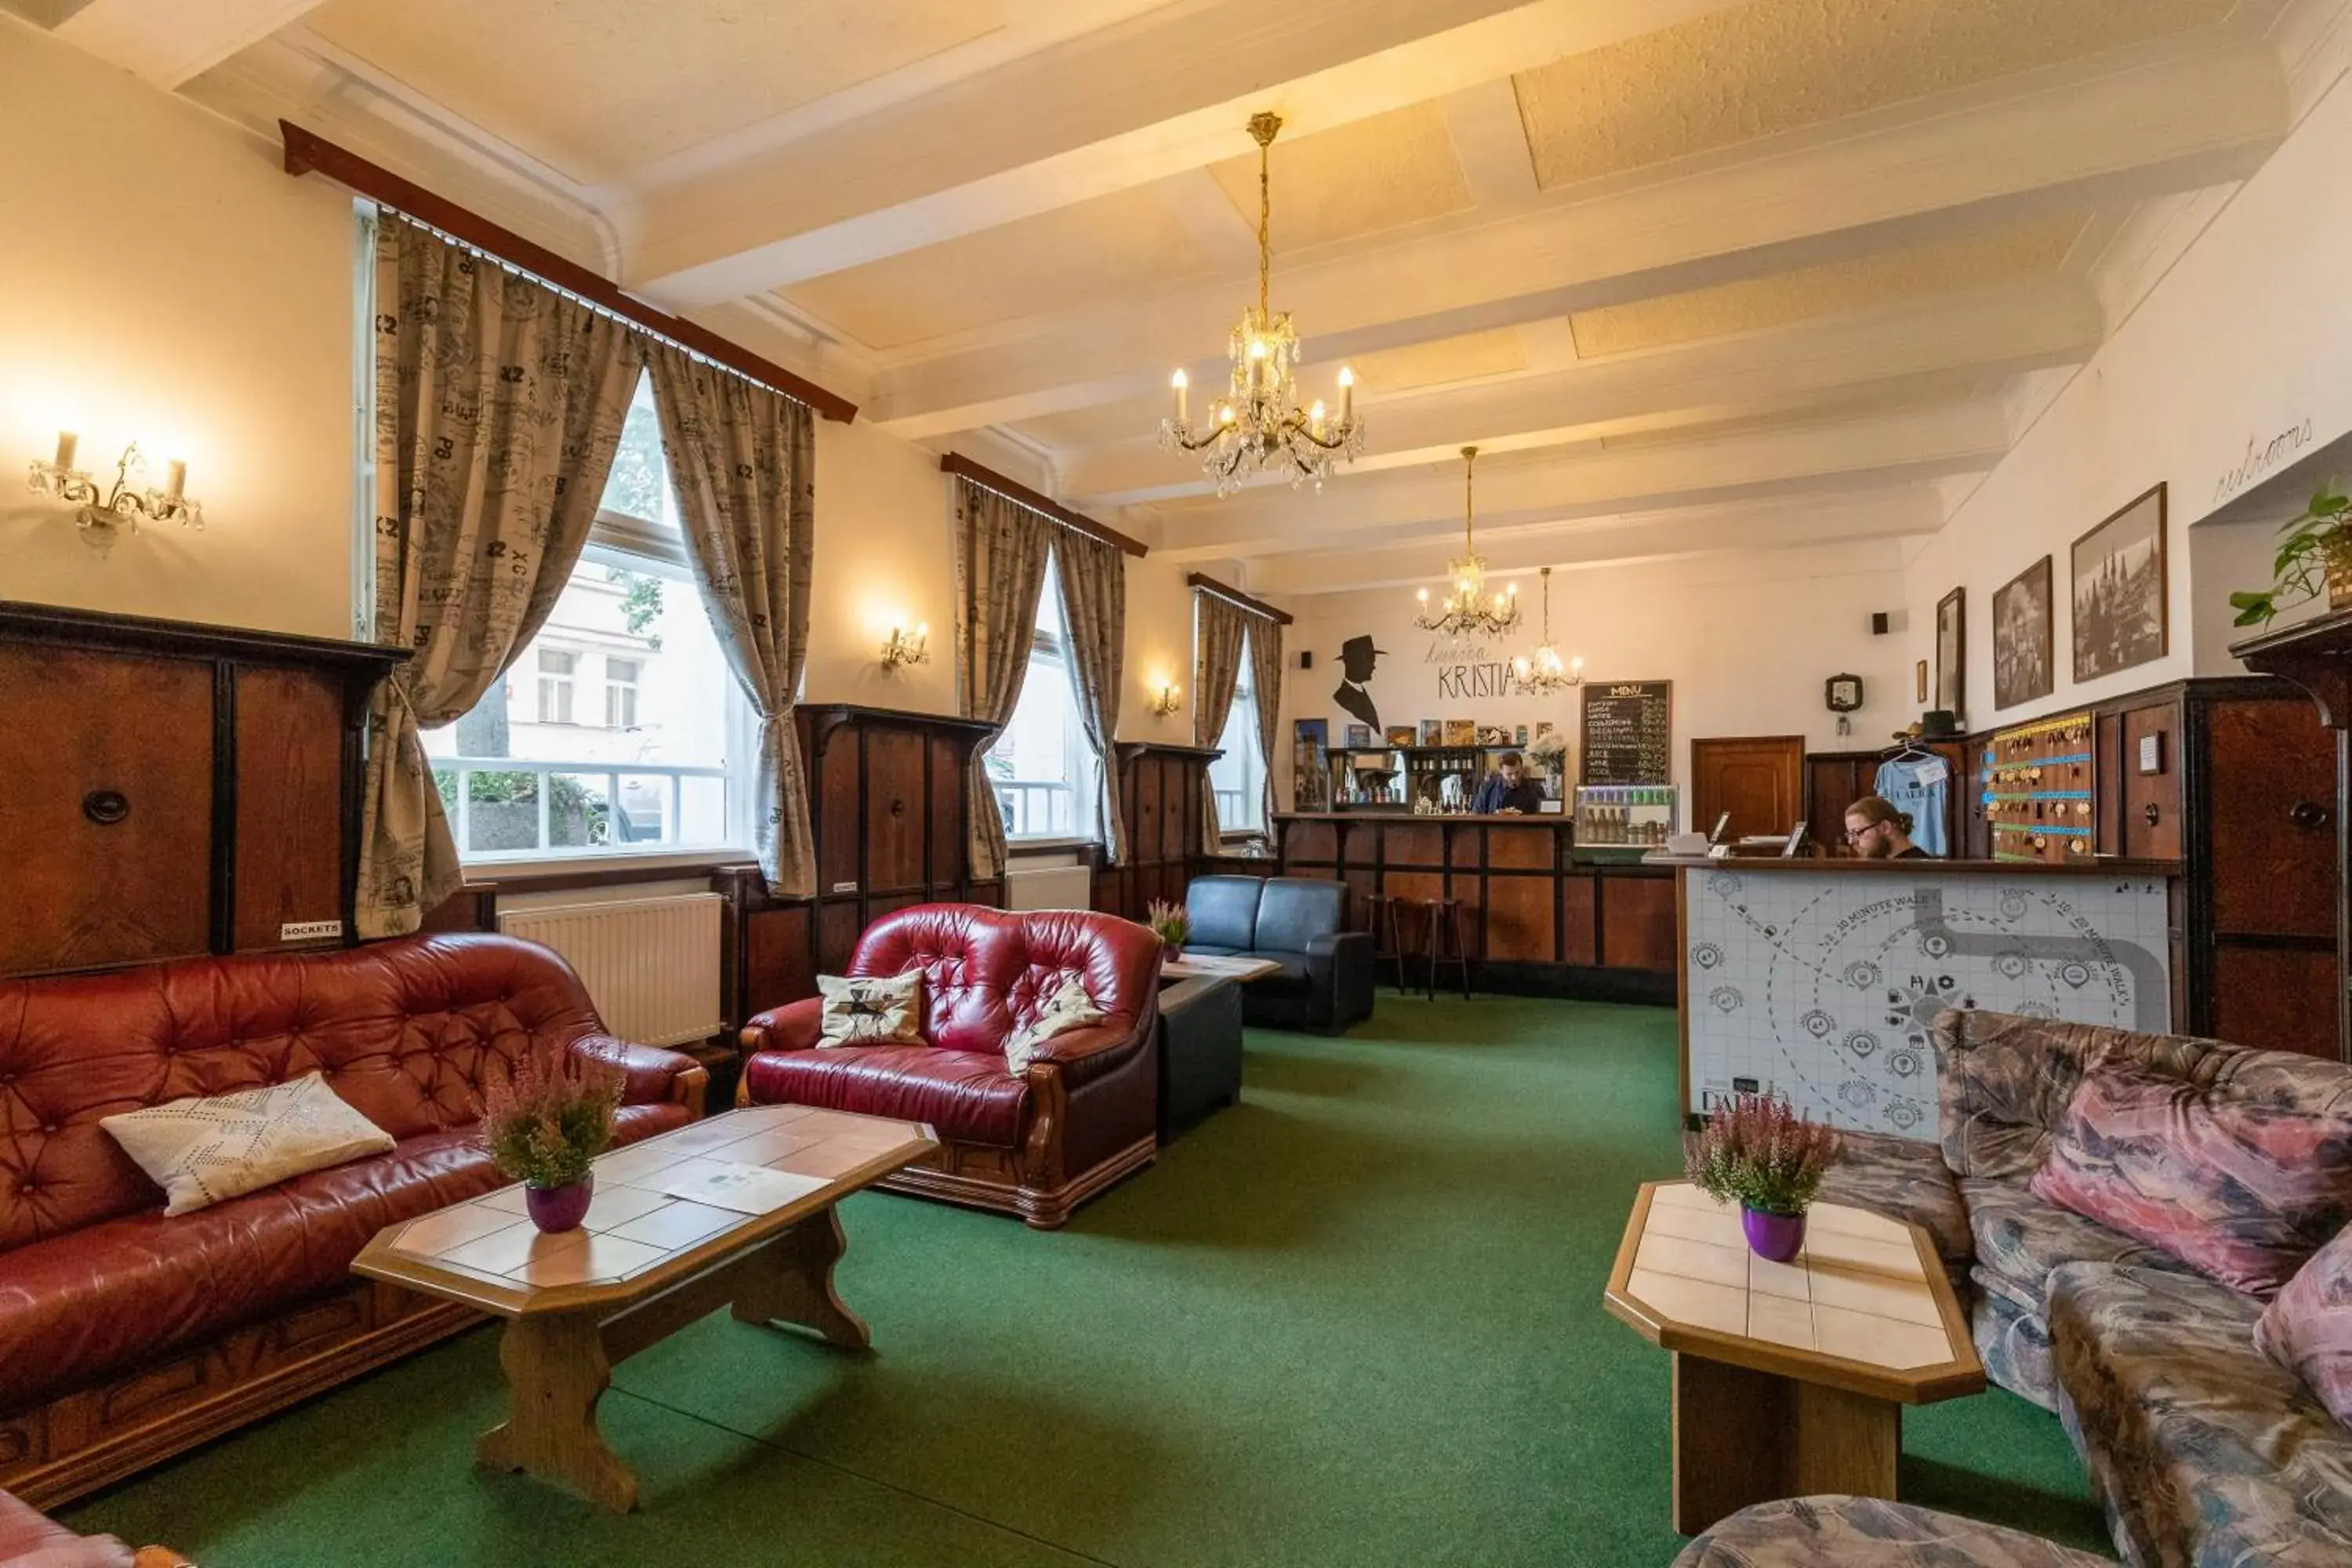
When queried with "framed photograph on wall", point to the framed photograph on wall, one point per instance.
{"points": [[2119, 590], [1433, 732], [1404, 735], [1310, 781], [1922, 693], [1952, 651], [2024, 658]]}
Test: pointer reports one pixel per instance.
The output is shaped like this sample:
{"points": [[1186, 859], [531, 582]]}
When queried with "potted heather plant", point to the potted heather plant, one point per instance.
{"points": [[1172, 925], [543, 1120], [1756, 1152]]}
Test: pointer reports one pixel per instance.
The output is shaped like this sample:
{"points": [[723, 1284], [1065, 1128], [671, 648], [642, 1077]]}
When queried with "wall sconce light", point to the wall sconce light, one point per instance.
{"points": [[1166, 700], [902, 649], [104, 518]]}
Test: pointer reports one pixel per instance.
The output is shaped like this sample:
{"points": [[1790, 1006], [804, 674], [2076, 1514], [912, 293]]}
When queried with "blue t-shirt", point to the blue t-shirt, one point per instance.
{"points": [[1922, 788]]}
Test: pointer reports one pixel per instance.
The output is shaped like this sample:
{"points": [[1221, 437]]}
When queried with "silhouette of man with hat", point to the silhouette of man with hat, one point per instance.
{"points": [[1357, 657]]}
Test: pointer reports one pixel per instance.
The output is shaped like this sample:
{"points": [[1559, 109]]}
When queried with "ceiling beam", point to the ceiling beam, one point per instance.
{"points": [[2053, 320], [1779, 524], [2180, 124], [1109, 110], [1425, 506], [169, 42]]}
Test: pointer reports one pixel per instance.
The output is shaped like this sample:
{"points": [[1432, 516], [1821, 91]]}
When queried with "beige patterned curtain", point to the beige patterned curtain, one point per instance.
{"points": [[743, 459], [1001, 553], [1094, 607], [499, 405], [1218, 630], [1265, 679]]}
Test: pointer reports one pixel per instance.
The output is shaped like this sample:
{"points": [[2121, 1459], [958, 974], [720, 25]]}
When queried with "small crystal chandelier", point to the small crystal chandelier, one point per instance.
{"points": [[1468, 608], [1543, 672], [1259, 425]]}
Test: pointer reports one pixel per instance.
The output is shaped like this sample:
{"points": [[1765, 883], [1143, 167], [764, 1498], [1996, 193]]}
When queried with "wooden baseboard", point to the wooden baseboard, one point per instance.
{"points": [[75, 1444], [1040, 1209]]}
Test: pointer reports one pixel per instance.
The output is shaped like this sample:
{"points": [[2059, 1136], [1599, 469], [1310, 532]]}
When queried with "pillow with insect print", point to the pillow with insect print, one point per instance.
{"points": [[878, 1010]]}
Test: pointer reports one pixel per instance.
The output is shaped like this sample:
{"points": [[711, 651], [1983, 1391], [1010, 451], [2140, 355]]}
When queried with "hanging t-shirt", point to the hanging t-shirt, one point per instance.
{"points": [[1921, 787]]}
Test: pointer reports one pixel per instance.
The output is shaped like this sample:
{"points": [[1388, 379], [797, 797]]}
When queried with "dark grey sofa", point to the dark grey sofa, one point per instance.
{"points": [[1325, 980]]}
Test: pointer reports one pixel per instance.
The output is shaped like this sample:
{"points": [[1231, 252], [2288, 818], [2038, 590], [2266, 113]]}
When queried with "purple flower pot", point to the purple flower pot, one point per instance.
{"points": [[555, 1209], [1775, 1237]]}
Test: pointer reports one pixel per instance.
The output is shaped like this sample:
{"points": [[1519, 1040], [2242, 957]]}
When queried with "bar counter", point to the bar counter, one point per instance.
{"points": [[1817, 981], [1544, 918]]}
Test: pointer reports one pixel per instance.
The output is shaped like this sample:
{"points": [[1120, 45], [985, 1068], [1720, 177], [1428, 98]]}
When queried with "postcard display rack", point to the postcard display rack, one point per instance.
{"points": [[2039, 791]]}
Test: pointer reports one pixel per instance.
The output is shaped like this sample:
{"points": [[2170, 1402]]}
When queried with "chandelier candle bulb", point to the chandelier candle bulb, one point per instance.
{"points": [[67, 443], [176, 485], [1346, 395], [1181, 382]]}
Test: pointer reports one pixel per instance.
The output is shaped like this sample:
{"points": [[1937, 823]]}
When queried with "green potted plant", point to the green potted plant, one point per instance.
{"points": [[543, 1120], [1756, 1152], [1172, 925], [2314, 557]]}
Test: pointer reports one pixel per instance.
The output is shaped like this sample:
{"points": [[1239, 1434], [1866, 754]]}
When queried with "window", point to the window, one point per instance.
{"points": [[621, 692], [1239, 776], [556, 668], [542, 768], [1043, 766]]}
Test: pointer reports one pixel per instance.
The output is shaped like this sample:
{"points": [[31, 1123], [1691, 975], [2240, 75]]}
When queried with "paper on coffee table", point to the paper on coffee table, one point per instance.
{"points": [[746, 1189]]}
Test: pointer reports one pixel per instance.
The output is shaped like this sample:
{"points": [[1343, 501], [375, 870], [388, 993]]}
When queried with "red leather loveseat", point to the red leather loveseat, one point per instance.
{"points": [[1036, 1144], [126, 1336]]}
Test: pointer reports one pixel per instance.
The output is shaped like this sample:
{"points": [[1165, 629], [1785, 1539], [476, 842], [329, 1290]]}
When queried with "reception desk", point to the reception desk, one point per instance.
{"points": [[1546, 919], [1817, 980]]}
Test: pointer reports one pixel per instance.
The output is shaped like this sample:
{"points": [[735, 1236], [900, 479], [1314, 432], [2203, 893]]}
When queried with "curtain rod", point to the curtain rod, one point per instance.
{"points": [[1232, 595], [1046, 506], [307, 154]]}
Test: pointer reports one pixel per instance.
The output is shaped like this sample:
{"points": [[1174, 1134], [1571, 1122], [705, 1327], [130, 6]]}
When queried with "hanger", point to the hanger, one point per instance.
{"points": [[1910, 747]]}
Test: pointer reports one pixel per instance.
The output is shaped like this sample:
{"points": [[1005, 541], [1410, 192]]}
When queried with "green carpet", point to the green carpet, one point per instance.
{"points": [[1356, 1320]]}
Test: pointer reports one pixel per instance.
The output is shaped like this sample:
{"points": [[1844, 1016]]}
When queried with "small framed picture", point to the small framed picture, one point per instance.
{"points": [[1404, 735], [1360, 735], [1493, 735], [1521, 738], [2120, 613], [1922, 695], [2024, 666], [1433, 732], [1952, 651], [1461, 732]]}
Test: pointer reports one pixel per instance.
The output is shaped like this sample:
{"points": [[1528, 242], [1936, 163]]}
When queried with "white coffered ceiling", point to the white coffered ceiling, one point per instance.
{"points": [[1699, 273]]}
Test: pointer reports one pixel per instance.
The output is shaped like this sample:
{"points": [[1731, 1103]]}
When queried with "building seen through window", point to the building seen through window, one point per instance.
{"points": [[1042, 767]]}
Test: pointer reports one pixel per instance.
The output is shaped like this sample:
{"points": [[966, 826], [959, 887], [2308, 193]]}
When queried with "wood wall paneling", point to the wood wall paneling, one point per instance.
{"points": [[1637, 918], [2271, 819], [1760, 780], [1520, 920], [895, 802], [1579, 920], [776, 959], [290, 805], [2107, 749], [2263, 996], [2150, 822], [1522, 849]]}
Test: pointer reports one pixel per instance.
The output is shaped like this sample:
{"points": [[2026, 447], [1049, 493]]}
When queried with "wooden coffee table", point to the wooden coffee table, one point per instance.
{"points": [[643, 1266], [1208, 966], [1789, 1379]]}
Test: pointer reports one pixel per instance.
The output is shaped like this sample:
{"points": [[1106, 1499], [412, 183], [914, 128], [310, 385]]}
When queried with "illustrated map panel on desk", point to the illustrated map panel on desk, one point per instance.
{"points": [[1819, 988]]}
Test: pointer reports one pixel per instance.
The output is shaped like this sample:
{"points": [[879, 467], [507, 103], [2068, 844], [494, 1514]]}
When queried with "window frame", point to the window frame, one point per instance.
{"points": [[1047, 651], [1256, 768]]}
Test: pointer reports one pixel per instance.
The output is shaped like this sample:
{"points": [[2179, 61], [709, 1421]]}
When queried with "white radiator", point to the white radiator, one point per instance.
{"points": [[651, 965], [1053, 888]]}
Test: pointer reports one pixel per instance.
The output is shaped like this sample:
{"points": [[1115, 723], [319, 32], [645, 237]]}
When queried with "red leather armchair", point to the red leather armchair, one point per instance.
{"points": [[126, 1336], [1035, 1144]]}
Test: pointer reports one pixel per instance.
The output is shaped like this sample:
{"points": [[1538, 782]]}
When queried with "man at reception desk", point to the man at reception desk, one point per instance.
{"points": [[1876, 830], [1508, 789]]}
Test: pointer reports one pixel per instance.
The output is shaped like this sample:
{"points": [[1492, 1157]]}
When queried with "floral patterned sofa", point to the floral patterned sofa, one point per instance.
{"points": [[2203, 1450], [1863, 1533]]}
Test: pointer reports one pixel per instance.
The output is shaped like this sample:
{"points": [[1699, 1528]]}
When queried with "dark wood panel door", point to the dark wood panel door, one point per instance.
{"points": [[2271, 819], [106, 812], [895, 809], [290, 805], [1759, 779], [2275, 997], [1833, 781]]}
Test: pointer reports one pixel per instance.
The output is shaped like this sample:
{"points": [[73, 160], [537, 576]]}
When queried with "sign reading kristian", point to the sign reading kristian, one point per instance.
{"points": [[1467, 666]]}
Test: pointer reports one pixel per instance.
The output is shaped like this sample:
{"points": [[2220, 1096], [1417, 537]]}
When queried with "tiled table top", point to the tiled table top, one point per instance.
{"points": [[636, 1239], [1864, 1302], [1210, 965]]}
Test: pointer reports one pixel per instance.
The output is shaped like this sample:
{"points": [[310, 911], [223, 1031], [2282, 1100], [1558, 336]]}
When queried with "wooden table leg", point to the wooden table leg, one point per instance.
{"points": [[556, 1371], [1744, 1438], [790, 1280]]}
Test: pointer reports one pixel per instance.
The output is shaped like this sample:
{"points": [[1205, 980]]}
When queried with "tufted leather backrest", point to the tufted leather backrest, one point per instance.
{"points": [[401, 1030], [987, 972]]}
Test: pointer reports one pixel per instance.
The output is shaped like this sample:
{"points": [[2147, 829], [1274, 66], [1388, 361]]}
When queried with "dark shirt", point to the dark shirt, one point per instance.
{"points": [[1913, 853], [1494, 794]]}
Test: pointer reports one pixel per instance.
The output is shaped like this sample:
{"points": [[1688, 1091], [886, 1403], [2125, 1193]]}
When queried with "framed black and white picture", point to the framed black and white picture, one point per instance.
{"points": [[2024, 657], [1951, 650], [2119, 590]]}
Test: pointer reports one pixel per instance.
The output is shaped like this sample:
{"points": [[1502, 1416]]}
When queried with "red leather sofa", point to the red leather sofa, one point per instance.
{"points": [[1036, 1144], [126, 1336]]}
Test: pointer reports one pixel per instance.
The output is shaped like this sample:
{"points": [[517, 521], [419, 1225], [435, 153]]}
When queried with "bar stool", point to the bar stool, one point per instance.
{"points": [[1448, 928], [1381, 910]]}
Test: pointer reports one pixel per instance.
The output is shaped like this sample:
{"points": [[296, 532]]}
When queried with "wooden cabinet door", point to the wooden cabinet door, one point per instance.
{"points": [[106, 808], [1760, 780]]}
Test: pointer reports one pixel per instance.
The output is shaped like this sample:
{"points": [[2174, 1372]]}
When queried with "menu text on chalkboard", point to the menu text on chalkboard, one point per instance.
{"points": [[1628, 731]]}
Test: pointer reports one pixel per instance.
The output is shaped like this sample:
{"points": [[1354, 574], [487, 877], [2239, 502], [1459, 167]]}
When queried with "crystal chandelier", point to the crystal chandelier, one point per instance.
{"points": [[1468, 608], [1544, 672], [1259, 426]]}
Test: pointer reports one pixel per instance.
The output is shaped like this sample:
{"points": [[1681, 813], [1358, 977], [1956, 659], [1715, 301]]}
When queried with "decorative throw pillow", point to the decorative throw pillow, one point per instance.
{"points": [[2308, 1328], [200, 1150], [1069, 1007], [2237, 1189], [878, 1010]]}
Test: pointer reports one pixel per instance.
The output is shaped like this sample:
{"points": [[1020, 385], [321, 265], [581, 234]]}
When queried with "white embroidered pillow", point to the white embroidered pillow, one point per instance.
{"points": [[1069, 1007], [879, 1010], [203, 1150]]}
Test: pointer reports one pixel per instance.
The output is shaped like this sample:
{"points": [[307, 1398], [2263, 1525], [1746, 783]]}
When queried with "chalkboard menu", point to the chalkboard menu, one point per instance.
{"points": [[1628, 733]]}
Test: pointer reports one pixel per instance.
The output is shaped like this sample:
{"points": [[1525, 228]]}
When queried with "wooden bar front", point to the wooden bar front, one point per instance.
{"points": [[1542, 919]]}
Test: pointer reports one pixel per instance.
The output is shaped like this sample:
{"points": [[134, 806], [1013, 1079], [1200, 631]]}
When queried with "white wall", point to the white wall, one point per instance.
{"points": [[885, 556], [2244, 342], [1748, 641], [161, 280]]}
